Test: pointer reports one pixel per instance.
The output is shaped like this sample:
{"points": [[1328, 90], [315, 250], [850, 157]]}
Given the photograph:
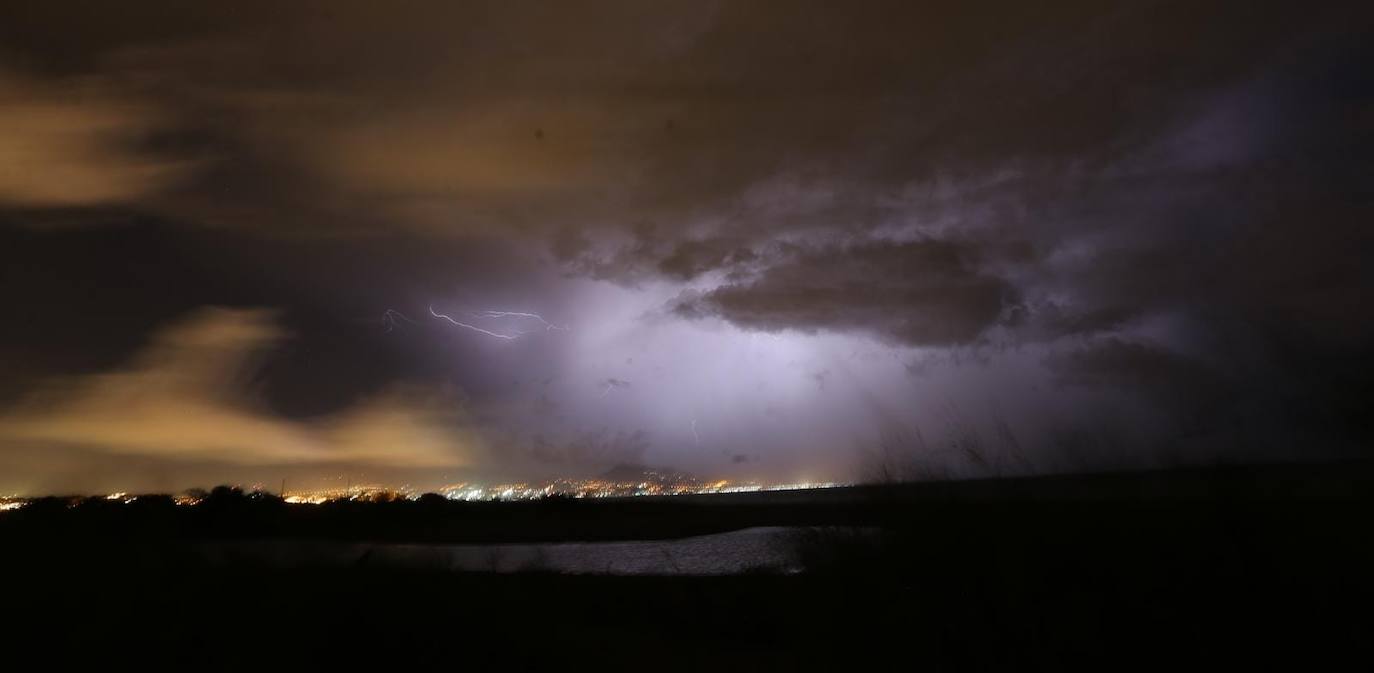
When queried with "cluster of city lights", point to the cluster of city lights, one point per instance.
{"points": [[558, 488], [602, 488], [472, 492]]}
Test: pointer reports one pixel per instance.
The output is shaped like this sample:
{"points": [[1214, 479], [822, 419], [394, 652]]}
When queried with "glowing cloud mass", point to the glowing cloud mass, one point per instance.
{"points": [[493, 241]]}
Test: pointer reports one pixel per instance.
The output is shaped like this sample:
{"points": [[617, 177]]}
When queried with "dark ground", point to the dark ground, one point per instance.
{"points": [[1221, 568]]}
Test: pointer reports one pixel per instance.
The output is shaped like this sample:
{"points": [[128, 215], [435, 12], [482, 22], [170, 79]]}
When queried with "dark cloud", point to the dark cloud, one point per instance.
{"points": [[922, 293], [655, 255], [1162, 198], [690, 259], [1140, 366], [349, 117]]}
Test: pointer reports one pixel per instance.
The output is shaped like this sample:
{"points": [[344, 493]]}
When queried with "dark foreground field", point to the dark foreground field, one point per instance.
{"points": [[1222, 568]]}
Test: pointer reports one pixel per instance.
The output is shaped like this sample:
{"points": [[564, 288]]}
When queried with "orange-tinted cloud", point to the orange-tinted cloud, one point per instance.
{"points": [[72, 144], [184, 398]]}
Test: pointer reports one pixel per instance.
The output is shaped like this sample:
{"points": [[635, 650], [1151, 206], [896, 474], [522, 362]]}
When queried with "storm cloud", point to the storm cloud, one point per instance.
{"points": [[1155, 212], [923, 293]]}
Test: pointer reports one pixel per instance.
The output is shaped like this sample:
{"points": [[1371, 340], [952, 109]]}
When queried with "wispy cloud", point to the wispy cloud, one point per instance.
{"points": [[184, 398]]}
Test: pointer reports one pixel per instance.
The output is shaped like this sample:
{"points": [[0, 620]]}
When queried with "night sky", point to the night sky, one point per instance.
{"points": [[750, 240]]}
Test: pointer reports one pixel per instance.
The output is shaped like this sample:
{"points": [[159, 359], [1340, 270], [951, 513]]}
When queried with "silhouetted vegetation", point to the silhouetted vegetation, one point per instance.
{"points": [[1219, 565]]}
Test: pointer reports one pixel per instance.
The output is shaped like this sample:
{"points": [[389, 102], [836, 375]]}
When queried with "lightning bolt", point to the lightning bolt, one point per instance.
{"points": [[474, 328], [493, 315], [548, 326], [391, 318], [612, 384], [695, 436]]}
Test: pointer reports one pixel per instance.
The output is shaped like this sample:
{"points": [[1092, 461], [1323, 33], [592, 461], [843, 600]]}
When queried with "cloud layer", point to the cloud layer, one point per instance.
{"points": [[1154, 212], [72, 144], [922, 293], [186, 398]]}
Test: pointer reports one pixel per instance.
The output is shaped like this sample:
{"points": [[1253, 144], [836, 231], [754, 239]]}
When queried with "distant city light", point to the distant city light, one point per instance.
{"points": [[653, 485]]}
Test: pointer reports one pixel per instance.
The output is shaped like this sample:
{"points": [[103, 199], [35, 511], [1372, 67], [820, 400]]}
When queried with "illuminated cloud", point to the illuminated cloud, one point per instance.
{"points": [[184, 398], [786, 229], [73, 144]]}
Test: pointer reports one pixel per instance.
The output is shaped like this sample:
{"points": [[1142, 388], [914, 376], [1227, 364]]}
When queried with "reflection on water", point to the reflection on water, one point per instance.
{"points": [[749, 550]]}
